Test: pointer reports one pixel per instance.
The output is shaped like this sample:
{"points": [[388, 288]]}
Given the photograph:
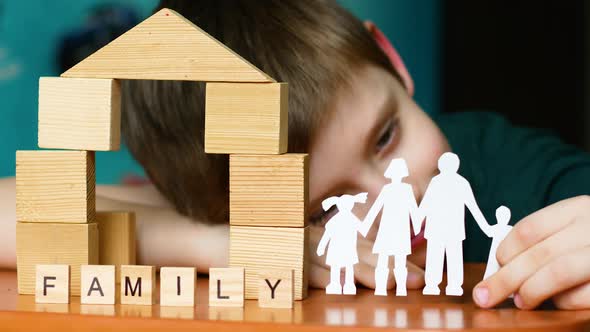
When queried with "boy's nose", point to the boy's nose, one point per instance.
{"points": [[372, 183]]}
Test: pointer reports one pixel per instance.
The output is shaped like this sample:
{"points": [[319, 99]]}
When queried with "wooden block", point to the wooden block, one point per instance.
{"points": [[275, 288], [226, 287], [97, 284], [138, 284], [177, 286], [79, 113], [268, 190], [246, 118], [52, 284], [261, 248], [117, 244], [55, 186], [166, 46], [42, 243]]}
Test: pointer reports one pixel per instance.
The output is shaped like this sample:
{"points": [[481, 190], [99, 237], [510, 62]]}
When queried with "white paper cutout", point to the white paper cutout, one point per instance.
{"points": [[443, 206], [498, 232], [341, 239], [397, 201]]}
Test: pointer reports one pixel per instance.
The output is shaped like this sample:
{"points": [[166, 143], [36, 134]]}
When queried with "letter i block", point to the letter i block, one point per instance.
{"points": [[97, 284], [138, 284], [226, 287], [52, 284], [275, 288], [177, 286]]}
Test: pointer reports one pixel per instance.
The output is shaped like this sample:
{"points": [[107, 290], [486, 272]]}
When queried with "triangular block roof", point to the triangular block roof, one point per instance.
{"points": [[166, 46]]}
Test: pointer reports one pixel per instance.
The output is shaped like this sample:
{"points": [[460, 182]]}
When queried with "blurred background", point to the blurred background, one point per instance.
{"points": [[524, 59]]}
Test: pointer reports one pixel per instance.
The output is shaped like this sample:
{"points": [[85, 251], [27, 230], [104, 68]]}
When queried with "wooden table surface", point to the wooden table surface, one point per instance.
{"points": [[319, 312]]}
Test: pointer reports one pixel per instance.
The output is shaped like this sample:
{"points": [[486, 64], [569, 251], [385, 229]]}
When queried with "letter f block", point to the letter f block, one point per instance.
{"points": [[52, 284]]}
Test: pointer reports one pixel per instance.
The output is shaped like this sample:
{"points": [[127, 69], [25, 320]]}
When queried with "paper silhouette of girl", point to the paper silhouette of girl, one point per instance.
{"points": [[393, 236], [498, 232], [341, 236]]}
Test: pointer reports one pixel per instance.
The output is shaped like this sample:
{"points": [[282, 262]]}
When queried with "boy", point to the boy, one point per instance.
{"points": [[351, 109]]}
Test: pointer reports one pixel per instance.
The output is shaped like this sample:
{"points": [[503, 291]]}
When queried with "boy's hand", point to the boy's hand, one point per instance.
{"points": [[546, 255], [364, 271], [320, 251]]}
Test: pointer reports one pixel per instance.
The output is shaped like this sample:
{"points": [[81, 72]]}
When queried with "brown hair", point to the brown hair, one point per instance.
{"points": [[314, 45]]}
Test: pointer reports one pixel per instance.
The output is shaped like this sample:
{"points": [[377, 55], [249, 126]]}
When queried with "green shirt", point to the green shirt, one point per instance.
{"points": [[524, 169]]}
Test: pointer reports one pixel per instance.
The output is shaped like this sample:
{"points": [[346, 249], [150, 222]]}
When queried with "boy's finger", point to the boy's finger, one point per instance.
{"points": [[576, 298], [511, 277], [319, 277], [562, 273], [539, 226]]}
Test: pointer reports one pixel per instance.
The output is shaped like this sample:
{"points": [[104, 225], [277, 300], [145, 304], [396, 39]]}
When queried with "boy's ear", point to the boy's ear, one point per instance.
{"points": [[392, 54]]}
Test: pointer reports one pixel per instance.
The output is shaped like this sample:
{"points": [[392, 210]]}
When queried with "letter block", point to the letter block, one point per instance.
{"points": [[177, 286], [55, 186], [79, 113], [268, 190], [262, 248], [246, 118], [226, 287], [43, 243], [97, 284], [275, 288], [138, 284], [52, 284]]}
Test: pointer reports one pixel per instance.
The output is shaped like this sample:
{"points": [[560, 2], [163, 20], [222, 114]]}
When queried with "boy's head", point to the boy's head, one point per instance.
{"points": [[345, 104]]}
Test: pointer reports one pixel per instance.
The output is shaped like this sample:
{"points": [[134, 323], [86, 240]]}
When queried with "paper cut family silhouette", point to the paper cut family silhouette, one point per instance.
{"points": [[443, 208]]}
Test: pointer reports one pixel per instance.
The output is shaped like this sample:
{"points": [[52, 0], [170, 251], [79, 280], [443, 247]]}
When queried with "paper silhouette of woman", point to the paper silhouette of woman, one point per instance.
{"points": [[393, 237], [341, 236]]}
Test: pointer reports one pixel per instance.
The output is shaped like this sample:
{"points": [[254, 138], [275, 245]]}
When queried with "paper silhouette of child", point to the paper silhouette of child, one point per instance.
{"points": [[498, 233], [341, 236]]}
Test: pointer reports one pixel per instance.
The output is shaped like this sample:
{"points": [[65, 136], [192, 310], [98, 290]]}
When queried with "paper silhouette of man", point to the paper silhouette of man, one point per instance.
{"points": [[341, 236], [498, 232], [393, 237], [443, 206]]}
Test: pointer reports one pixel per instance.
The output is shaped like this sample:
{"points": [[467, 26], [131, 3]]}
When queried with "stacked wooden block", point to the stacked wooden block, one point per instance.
{"points": [[268, 187], [55, 189]]}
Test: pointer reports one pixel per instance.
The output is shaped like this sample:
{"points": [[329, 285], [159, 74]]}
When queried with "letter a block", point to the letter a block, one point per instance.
{"points": [[79, 113], [226, 287], [177, 286], [275, 288], [52, 284], [98, 284], [55, 186], [246, 118], [138, 284]]}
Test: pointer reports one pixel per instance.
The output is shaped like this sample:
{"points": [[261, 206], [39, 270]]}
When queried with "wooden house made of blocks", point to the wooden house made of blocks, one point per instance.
{"points": [[79, 112]]}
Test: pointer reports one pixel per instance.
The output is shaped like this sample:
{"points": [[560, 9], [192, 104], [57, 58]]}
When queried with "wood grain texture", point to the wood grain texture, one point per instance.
{"points": [[79, 114], [97, 284], [275, 288], [138, 284], [55, 186], [166, 46], [177, 286], [226, 287], [52, 284], [268, 190], [246, 118], [261, 248], [43, 243], [117, 242]]}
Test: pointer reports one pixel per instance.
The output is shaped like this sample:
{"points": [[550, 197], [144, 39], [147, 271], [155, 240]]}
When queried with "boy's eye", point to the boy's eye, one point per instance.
{"points": [[387, 136], [321, 217]]}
